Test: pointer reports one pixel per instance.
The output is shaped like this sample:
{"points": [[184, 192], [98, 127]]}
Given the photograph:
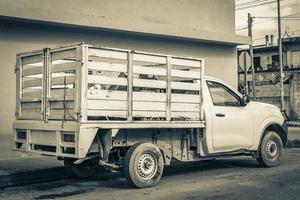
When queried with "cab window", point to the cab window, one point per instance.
{"points": [[222, 96]]}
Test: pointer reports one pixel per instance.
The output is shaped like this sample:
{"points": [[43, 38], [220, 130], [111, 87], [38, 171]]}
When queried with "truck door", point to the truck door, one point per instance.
{"points": [[232, 126]]}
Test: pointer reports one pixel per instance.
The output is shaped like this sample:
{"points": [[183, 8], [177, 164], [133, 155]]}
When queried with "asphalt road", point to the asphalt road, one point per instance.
{"points": [[234, 178]]}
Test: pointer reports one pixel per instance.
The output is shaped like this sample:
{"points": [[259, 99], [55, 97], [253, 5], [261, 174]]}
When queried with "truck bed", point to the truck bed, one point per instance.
{"points": [[66, 94]]}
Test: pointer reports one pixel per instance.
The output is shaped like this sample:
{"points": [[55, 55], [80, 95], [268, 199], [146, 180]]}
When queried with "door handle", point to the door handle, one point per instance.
{"points": [[220, 115]]}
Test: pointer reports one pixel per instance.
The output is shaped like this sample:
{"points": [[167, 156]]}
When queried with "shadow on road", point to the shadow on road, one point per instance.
{"points": [[117, 181], [177, 168], [203, 166]]}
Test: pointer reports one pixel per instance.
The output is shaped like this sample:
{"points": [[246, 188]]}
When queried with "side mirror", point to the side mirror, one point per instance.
{"points": [[245, 100]]}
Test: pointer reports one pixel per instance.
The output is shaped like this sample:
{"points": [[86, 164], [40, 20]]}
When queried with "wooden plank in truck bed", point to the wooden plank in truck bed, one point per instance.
{"points": [[56, 95], [101, 66], [37, 82], [141, 96], [151, 114], [141, 106], [61, 67], [34, 58], [105, 80], [142, 124]]}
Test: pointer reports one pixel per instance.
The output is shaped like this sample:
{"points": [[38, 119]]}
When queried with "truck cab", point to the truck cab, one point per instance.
{"points": [[233, 122], [136, 111]]}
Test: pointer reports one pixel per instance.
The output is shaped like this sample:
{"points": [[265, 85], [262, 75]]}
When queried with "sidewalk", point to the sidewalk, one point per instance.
{"points": [[294, 136], [293, 123]]}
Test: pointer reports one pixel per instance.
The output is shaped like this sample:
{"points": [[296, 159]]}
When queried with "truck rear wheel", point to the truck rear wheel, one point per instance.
{"points": [[143, 165], [270, 150]]}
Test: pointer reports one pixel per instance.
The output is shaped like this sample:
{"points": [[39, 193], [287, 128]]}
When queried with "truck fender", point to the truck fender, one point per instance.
{"points": [[270, 124]]}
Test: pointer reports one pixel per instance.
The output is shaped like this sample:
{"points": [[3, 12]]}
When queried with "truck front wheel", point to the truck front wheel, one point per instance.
{"points": [[143, 165], [270, 150]]}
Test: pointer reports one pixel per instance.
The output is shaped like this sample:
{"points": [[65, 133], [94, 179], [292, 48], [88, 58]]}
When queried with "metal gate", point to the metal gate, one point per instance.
{"points": [[47, 84]]}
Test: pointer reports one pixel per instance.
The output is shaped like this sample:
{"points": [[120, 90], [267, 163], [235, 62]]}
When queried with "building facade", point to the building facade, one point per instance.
{"points": [[266, 60], [203, 29], [267, 75]]}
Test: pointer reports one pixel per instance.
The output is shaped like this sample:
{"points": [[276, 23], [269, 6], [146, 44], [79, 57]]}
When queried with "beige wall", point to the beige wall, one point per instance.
{"points": [[199, 19], [220, 60], [70, 21]]}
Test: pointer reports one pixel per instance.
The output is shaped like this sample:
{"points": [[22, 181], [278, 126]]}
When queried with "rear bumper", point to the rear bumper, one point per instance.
{"points": [[53, 138]]}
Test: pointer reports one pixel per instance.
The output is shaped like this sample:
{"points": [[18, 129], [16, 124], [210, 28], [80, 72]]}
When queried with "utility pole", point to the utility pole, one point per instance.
{"points": [[250, 21], [245, 69], [280, 56]]}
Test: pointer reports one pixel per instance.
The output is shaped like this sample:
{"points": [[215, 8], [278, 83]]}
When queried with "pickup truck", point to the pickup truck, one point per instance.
{"points": [[136, 112]]}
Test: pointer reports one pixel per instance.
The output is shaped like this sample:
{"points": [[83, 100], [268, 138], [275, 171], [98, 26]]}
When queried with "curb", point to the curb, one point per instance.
{"points": [[293, 144], [293, 124]]}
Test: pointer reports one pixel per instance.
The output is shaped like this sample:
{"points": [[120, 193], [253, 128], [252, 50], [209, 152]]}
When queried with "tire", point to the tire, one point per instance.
{"points": [[84, 170], [143, 165], [270, 150]]}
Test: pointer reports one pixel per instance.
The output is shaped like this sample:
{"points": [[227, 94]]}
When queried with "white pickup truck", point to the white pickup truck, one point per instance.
{"points": [[136, 111]]}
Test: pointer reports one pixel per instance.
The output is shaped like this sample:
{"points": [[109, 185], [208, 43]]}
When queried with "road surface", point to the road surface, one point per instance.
{"points": [[234, 178]]}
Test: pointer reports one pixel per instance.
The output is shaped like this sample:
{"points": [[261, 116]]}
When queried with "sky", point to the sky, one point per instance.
{"points": [[267, 26]]}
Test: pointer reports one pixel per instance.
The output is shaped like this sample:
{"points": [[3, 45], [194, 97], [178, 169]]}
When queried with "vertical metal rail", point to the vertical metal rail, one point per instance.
{"points": [[82, 77], [201, 114], [43, 86], [45, 72], [245, 75], [28, 139], [18, 71], [169, 89], [129, 85], [238, 65], [58, 143], [48, 84]]}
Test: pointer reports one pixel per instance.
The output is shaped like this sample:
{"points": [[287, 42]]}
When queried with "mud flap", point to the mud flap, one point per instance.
{"points": [[85, 139], [105, 137]]}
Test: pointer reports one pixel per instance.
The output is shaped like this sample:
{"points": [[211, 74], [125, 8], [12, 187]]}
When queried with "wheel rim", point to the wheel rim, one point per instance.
{"points": [[147, 166], [272, 149]]}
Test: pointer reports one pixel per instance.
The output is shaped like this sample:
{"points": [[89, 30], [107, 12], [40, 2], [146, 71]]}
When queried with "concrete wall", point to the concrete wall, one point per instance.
{"points": [[70, 21], [15, 37], [293, 58], [205, 19], [295, 97]]}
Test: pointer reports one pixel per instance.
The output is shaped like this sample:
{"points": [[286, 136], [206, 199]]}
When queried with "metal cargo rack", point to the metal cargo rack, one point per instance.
{"points": [[74, 89]]}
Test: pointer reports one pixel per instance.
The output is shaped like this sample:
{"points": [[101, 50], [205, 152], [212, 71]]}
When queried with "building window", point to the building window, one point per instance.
{"points": [[257, 66], [275, 61]]}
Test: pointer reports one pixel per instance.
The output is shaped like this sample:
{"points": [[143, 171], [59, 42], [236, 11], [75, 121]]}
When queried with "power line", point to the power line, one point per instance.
{"points": [[256, 5], [249, 3], [286, 16], [245, 27], [276, 17], [239, 29], [275, 34]]}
